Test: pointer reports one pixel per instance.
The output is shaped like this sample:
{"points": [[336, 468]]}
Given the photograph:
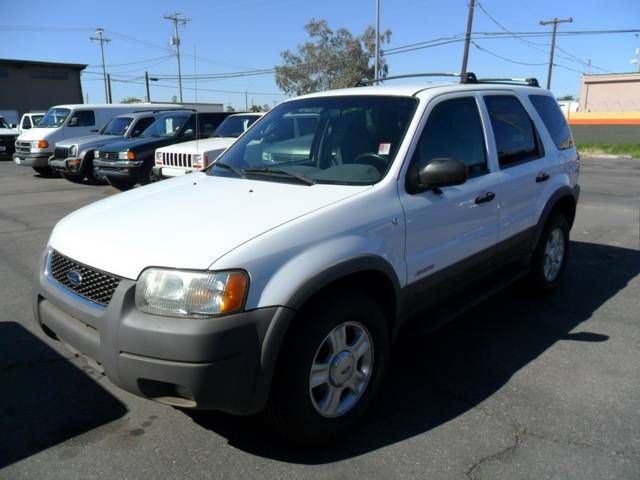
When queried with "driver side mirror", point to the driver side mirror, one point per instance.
{"points": [[439, 172]]}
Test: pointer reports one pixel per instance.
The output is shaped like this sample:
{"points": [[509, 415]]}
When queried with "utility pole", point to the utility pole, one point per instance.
{"points": [[555, 23], [102, 39], [146, 82], [109, 97], [377, 62], [467, 40], [177, 19]]}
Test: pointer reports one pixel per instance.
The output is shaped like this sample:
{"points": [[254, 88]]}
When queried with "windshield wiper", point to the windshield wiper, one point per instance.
{"points": [[279, 172], [226, 166]]}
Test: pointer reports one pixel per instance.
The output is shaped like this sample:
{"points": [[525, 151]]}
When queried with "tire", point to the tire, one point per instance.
{"points": [[304, 414], [122, 185], [148, 176], [44, 171], [549, 259], [72, 178], [92, 177]]}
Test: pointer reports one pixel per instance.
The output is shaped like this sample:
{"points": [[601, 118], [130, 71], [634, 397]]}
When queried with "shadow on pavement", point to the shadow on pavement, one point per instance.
{"points": [[437, 378], [45, 399]]}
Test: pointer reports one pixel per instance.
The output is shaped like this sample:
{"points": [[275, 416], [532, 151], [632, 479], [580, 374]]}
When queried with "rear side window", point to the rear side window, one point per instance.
{"points": [[142, 125], [516, 136], [553, 119], [83, 118], [454, 130]]}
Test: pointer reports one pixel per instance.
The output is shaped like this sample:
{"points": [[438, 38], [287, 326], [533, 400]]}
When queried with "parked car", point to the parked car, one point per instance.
{"points": [[128, 162], [34, 146], [73, 158], [8, 135], [278, 286], [186, 157], [30, 120]]}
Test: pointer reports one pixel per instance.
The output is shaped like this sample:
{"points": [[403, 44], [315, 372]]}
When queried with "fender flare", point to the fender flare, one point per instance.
{"points": [[340, 270], [562, 192]]}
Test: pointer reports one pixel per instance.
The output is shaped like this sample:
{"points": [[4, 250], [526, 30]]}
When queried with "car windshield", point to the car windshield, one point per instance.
{"points": [[235, 125], [166, 126], [347, 140], [117, 126], [54, 118]]}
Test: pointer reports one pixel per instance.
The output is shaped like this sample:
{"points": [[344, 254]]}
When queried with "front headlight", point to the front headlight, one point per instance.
{"points": [[73, 150], [190, 294]]}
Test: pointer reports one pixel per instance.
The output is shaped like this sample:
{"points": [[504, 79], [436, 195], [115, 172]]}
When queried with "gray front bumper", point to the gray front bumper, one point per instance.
{"points": [[223, 364], [31, 159]]}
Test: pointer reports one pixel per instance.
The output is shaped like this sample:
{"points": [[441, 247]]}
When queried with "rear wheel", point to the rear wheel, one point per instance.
{"points": [[120, 184], [44, 170], [330, 370], [550, 256]]}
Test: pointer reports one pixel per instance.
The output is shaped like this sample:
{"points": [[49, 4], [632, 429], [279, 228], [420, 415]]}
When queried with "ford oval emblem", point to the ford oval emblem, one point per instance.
{"points": [[74, 277]]}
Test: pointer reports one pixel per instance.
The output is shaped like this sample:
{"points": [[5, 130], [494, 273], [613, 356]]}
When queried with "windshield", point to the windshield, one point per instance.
{"points": [[117, 126], [166, 126], [347, 140], [54, 118], [235, 126]]}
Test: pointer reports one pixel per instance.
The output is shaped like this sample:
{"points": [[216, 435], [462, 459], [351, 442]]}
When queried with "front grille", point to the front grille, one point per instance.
{"points": [[23, 147], [8, 142], [108, 155], [173, 159], [94, 285], [61, 152]]}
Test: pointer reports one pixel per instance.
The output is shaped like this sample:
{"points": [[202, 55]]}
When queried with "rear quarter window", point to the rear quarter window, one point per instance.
{"points": [[553, 120]]}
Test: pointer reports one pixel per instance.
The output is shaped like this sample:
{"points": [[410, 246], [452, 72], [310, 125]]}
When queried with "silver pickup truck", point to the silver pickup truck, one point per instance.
{"points": [[73, 158]]}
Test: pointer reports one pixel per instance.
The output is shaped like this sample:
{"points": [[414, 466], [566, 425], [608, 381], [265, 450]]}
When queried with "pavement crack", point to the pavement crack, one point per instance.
{"points": [[519, 434]]}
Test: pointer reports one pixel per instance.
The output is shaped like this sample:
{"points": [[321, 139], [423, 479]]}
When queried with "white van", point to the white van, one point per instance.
{"points": [[34, 146]]}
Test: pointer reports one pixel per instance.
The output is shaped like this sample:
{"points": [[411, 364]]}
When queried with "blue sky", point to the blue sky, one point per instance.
{"points": [[233, 35]]}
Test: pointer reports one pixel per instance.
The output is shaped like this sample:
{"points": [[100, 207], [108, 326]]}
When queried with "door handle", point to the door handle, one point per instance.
{"points": [[543, 177], [487, 197]]}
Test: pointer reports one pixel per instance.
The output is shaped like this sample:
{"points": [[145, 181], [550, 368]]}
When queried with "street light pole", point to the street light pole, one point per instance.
{"points": [[377, 61], [101, 38], [555, 23], [467, 40], [176, 18]]}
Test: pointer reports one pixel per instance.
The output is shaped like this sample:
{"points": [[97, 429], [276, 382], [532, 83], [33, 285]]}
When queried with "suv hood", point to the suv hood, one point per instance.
{"points": [[140, 143], [199, 146], [89, 141], [9, 131], [187, 222]]}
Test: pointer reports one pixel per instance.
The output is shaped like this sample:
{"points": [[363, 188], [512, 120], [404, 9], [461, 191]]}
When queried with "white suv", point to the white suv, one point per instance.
{"points": [[277, 279]]}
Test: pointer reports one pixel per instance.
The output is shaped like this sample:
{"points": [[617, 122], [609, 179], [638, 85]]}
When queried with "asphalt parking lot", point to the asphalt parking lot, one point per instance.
{"points": [[517, 388]]}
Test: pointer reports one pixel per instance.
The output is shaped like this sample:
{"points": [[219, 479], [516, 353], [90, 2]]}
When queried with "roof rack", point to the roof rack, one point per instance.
{"points": [[531, 81], [468, 77]]}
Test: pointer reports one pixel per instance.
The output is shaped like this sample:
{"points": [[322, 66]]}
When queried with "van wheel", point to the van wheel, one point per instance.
{"points": [[550, 256], [330, 370], [122, 185], [72, 178], [44, 171]]}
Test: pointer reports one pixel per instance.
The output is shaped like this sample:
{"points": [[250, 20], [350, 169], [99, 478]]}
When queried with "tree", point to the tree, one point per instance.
{"points": [[329, 60], [259, 108], [130, 100], [566, 97], [230, 108]]}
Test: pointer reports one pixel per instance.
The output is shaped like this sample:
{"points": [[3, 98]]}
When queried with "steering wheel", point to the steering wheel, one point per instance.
{"points": [[375, 160]]}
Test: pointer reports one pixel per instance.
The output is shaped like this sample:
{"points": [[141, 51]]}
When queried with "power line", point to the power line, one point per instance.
{"points": [[132, 63], [163, 85], [505, 58]]}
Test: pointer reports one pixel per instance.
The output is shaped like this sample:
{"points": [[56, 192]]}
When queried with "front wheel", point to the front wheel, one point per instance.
{"points": [[120, 184], [44, 171], [330, 370], [550, 256]]}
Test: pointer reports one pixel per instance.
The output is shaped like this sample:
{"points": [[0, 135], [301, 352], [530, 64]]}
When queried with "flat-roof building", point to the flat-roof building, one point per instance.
{"points": [[27, 85], [610, 92]]}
